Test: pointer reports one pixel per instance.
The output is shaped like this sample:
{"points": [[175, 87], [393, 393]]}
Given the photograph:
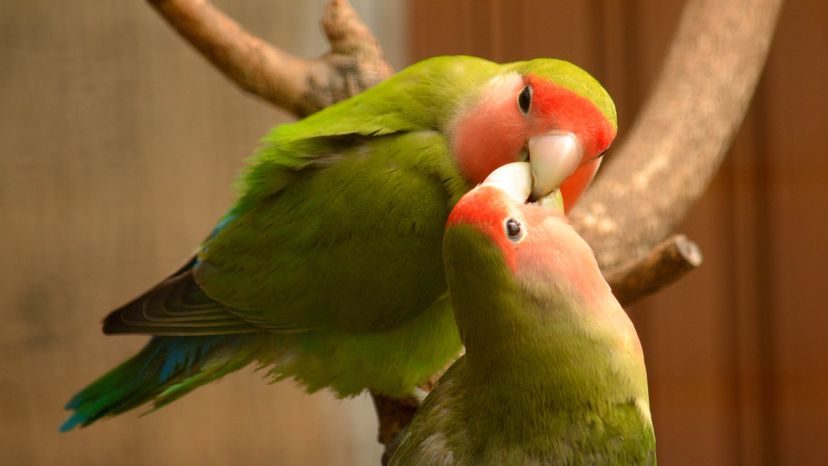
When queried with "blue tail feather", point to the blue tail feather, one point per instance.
{"points": [[165, 369]]}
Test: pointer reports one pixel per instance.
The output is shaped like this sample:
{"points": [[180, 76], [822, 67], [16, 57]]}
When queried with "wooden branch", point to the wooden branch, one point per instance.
{"points": [[394, 415], [683, 131], [666, 263], [298, 85]]}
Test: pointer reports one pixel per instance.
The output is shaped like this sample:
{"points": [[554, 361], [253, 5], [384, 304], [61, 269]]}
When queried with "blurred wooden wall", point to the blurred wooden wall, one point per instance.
{"points": [[118, 147], [737, 351]]}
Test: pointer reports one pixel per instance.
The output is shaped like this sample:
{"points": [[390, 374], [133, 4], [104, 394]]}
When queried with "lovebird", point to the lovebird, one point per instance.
{"points": [[553, 371], [328, 268]]}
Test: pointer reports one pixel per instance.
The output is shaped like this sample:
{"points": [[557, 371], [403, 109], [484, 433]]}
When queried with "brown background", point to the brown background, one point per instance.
{"points": [[737, 352], [118, 146]]}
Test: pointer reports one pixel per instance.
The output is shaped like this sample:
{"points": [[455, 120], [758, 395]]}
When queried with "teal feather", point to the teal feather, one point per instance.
{"points": [[166, 369]]}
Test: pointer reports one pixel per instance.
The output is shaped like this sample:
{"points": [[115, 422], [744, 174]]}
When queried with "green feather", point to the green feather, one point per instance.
{"points": [[328, 268], [166, 369], [544, 379]]}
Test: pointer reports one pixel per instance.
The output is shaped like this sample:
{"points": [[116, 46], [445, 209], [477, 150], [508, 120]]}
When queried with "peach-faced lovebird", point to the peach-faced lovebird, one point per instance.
{"points": [[553, 371], [328, 269]]}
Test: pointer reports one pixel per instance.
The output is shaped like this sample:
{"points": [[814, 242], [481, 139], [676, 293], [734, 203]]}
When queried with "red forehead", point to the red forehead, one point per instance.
{"points": [[485, 208], [483, 205], [560, 108]]}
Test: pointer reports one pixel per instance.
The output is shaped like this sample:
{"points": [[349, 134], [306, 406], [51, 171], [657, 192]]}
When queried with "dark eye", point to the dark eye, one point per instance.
{"points": [[514, 230], [525, 99]]}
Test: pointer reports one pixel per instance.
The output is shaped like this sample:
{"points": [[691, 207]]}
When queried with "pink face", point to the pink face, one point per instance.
{"points": [[514, 109], [535, 241]]}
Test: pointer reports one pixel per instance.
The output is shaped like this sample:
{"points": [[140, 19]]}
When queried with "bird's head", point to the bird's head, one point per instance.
{"points": [[547, 112]]}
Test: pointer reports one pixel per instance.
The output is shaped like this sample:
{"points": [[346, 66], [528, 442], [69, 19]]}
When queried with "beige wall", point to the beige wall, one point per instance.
{"points": [[118, 146]]}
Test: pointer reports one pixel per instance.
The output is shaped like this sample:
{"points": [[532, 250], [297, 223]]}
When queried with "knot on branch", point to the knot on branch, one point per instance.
{"points": [[298, 85], [354, 63]]}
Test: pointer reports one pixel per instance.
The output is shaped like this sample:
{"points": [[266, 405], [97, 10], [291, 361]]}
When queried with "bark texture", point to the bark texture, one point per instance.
{"points": [[664, 264], [683, 131], [298, 85]]}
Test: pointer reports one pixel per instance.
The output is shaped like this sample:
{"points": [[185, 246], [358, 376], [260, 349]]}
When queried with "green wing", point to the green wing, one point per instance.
{"points": [[358, 190], [309, 255], [424, 95]]}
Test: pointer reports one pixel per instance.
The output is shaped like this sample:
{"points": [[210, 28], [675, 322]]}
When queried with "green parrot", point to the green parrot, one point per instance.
{"points": [[553, 371], [328, 268]]}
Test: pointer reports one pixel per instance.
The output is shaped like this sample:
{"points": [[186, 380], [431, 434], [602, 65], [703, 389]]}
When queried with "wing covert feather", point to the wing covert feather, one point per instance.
{"points": [[308, 256]]}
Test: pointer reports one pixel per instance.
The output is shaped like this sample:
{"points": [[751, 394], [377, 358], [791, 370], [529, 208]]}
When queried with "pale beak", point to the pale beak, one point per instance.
{"points": [[514, 179], [553, 157]]}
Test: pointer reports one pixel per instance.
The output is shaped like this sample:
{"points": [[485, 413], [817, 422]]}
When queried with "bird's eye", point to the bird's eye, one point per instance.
{"points": [[514, 230], [525, 99]]}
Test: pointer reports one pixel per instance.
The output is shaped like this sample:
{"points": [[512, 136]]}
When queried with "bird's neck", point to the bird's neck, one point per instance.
{"points": [[553, 339], [564, 383], [586, 354], [566, 365]]}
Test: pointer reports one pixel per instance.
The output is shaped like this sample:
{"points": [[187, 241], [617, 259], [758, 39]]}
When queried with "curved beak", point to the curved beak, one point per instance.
{"points": [[514, 179], [553, 157]]}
